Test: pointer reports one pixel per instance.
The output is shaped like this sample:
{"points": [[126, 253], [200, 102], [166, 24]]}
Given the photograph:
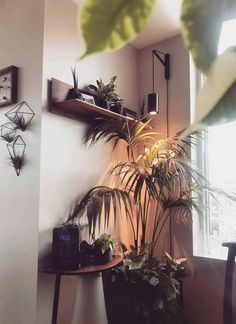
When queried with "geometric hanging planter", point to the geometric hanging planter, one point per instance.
{"points": [[8, 132], [21, 115], [16, 150]]}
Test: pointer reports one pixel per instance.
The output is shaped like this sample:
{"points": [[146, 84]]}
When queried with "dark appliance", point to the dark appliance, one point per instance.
{"points": [[65, 247]]}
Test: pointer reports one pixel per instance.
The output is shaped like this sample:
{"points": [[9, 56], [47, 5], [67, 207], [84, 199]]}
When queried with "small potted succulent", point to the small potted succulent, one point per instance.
{"points": [[106, 95], [103, 247], [74, 92]]}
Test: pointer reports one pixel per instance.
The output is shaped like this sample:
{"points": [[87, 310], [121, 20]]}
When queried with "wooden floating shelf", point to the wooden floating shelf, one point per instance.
{"points": [[76, 108]]}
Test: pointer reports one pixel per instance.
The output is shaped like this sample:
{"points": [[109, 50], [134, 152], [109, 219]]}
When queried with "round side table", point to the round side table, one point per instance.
{"points": [[90, 281]]}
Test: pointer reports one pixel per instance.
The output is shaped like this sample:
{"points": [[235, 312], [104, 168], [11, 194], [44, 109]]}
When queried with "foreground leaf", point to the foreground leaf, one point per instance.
{"points": [[220, 105], [108, 25], [201, 25]]}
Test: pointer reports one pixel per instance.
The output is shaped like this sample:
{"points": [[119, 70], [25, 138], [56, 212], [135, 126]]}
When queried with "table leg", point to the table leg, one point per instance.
{"points": [[56, 298]]}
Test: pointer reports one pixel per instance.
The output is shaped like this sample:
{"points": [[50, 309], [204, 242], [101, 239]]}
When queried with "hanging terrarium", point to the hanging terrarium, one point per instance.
{"points": [[8, 132], [21, 115], [16, 150]]}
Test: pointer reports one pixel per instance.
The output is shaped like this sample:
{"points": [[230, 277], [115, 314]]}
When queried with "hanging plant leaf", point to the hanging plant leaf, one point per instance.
{"points": [[220, 106], [201, 24], [109, 25]]}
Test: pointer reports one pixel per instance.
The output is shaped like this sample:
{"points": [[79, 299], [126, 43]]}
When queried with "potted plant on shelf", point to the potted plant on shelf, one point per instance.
{"points": [[74, 93], [103, 247], [156, 179], [106, 95]]}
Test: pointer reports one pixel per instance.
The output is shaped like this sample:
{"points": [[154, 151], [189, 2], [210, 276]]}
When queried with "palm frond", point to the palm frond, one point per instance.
{"points": [[135, 178], [112, 130], [98, 204]]}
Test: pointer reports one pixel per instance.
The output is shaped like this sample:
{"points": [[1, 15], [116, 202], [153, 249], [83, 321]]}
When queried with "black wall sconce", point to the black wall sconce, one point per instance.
{"points": [[164, 58], [21, 115], [16, 150], [8, 132]]}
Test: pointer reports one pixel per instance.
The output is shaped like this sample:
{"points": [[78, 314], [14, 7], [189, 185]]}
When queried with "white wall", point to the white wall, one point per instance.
{"points": [[68, 168], [21, 45]]}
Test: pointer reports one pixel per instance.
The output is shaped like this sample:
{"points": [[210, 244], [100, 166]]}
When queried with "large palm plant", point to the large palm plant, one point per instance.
{"points": [[156, 177]]}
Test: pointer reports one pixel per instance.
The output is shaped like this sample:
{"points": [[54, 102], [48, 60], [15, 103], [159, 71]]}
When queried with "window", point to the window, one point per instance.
{"points": [[217, 160]]}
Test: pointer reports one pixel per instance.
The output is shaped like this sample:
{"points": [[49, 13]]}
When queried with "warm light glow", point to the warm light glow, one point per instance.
{"points": [[152, 112]]}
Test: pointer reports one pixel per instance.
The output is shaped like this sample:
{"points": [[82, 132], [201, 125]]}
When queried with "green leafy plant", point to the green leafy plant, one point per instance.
{"points": [[161, 177], [108, 26], [20, 122], [105, 92], [75, 79], [74, 93], [151, 287], [156, 182], [104, 242]]}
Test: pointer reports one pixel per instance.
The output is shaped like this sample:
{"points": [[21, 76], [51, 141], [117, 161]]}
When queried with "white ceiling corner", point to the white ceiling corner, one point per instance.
{"points": [[163, 23]]}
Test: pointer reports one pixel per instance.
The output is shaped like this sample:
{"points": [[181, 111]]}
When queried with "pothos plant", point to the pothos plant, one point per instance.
{"points": [[150, 183]]}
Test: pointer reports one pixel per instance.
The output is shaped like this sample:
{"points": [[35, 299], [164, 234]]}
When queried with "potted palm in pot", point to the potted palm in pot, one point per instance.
{"points": [[152, 182]]}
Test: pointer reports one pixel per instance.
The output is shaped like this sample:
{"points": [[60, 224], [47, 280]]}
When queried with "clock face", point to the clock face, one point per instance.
{"points": [[8, 86], [5, 88]]}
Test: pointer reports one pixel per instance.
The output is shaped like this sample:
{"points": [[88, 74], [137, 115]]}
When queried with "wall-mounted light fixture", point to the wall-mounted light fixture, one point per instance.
{"points": [[164, 58], [16, 150], [21, 115]]}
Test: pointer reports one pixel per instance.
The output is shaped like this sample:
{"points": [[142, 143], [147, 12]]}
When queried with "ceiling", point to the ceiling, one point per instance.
{"points": [[163, 23]]}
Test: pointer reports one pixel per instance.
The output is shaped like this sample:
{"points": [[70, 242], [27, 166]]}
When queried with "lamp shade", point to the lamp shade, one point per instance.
{"points": [[153, 103]]}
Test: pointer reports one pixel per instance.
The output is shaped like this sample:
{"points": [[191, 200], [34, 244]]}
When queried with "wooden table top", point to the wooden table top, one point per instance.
{"points": [[86, 269]]}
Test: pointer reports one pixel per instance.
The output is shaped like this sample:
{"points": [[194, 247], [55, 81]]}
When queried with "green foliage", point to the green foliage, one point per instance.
{"points": [[108, 25], [221, 84], [105, 92], [104, 242], [201, 25], [161, 177], [150, 284], [75, 78], [20, 122], [115, 130], [101, 199]]}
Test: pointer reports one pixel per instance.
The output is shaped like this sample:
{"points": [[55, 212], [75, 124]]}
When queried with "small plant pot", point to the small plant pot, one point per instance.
{"points": [[73, 94], [114, 106], [103, 258]]}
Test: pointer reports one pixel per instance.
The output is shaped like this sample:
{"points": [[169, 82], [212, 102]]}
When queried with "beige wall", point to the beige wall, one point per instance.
{"points": [[68, 168], [21, 45]]}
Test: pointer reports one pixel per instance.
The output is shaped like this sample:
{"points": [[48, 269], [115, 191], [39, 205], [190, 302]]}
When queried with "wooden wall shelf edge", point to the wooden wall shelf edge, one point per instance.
{"points": [[79, 109]]}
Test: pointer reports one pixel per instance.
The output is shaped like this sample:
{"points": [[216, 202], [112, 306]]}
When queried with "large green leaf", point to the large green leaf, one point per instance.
{"points": [[216, 102], [201, 25], [108, 25]]}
